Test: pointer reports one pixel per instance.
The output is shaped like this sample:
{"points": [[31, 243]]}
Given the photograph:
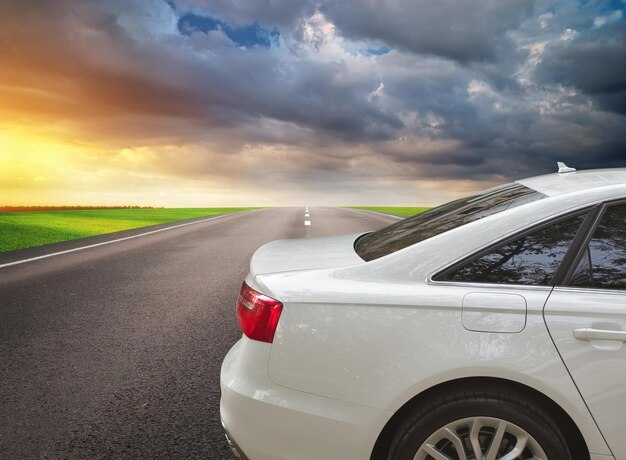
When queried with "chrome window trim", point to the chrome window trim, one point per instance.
{"points": [[527, 287], [590, 290]]}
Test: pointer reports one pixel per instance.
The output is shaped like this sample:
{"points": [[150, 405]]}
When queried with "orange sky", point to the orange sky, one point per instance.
{"points": [[44, 169]]}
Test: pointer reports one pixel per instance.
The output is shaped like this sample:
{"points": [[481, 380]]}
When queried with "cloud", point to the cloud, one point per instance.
{"points": [[142, 21], [595, 63], [460, 30], [357, 98], [614, 16]]}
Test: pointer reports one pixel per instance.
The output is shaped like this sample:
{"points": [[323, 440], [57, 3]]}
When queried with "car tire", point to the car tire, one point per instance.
{"points": [[476, 419]]}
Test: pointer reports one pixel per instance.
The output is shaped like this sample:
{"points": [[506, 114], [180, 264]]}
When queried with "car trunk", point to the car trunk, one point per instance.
{"points": [[305, 254]]}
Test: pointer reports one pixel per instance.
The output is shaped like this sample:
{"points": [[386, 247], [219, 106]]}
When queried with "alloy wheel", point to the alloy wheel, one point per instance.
{"points": [[480, 438]]}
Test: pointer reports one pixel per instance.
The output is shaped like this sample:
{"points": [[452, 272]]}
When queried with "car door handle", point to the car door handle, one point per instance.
{"points": [[587, 333]]}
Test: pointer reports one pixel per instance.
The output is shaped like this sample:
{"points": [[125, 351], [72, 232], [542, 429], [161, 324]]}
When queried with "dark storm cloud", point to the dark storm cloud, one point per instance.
{"points": [[594, 62], [460, 30]]}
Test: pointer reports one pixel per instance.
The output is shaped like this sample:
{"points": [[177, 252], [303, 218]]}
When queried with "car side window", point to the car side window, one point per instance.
{"points": [[603, 264], [532, 259]]}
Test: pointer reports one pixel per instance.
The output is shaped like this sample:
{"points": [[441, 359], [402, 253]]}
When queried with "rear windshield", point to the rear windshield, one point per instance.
{"points": [[443, 218]]}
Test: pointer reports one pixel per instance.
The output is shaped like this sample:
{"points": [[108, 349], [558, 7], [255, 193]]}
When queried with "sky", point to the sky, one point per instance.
{"points": [[289, 103]]}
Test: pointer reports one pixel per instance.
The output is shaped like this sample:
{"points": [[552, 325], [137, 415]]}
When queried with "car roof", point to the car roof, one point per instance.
{"points": [[570, 182]]}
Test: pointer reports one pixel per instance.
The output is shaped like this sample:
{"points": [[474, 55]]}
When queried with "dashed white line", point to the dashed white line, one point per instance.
{"points": [[67, 251], [307, 222]]}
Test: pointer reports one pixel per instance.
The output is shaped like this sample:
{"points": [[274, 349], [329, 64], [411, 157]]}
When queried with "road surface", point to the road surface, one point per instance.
{"points": [[114, 351]]}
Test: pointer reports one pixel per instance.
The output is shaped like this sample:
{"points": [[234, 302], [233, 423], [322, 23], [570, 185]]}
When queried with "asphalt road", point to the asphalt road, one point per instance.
{"points": [[114, 351]]}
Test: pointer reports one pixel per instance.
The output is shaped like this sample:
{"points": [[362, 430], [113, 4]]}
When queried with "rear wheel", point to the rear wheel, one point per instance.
{"points": [[478, 438], [481, 425]]}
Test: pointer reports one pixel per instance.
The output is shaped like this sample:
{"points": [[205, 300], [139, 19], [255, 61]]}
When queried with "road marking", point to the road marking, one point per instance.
{"points": [[67, 251], [306, 215], [307, 222], [393, 216]]}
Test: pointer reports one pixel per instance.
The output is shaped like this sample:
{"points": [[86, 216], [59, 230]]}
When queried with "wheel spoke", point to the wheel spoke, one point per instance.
{"points": [[520, 445], [496, 441], [475, 431], [435, 453], [458, 443]]}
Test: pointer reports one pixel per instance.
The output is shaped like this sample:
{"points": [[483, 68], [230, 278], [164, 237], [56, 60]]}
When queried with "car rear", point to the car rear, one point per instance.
{"points": [[267, 421], [264, 420]]}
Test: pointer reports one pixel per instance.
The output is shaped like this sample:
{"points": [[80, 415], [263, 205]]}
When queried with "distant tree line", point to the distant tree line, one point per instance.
{"points": [[68, 208]]}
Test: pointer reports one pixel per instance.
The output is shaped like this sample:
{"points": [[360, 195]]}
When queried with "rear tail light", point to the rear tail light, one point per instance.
{"points": [[257, 314]]}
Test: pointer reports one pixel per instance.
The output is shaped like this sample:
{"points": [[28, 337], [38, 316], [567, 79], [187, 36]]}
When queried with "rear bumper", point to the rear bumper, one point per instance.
{"points": [[266, 421], [233, 446]]}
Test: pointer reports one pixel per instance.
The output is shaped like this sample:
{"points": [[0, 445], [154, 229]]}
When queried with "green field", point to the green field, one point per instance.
{"points": [[20, 230], [395, 210]]}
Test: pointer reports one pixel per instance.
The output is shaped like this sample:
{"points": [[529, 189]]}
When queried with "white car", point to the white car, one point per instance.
{"points": [[491, 327]]}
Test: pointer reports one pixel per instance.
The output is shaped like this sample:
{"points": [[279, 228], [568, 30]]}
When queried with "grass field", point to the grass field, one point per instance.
{"points": [[20, 230], [395, 210]]}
